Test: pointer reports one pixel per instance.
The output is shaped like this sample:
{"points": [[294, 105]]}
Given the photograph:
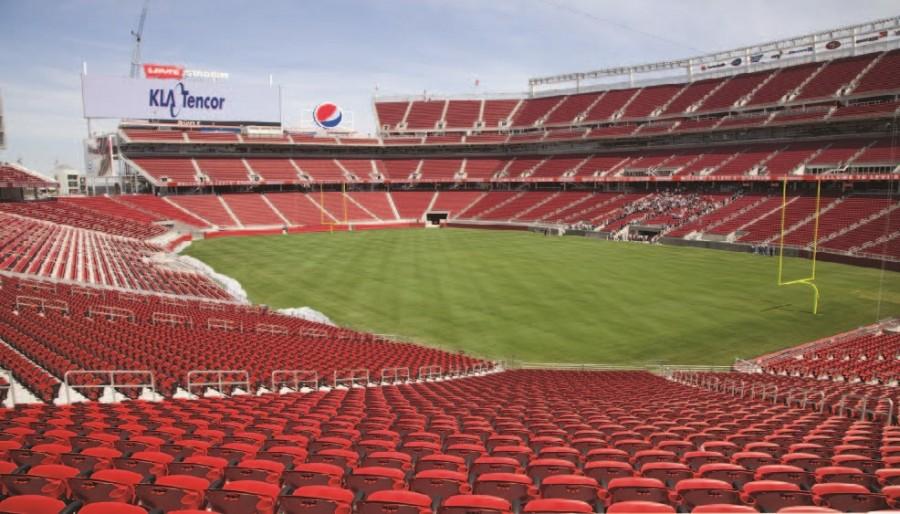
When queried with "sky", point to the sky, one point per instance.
{"points": [[342, 50]]}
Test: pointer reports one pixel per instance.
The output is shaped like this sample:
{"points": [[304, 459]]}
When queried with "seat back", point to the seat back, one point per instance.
{"points": [[475, 504], [173, 492], [516, 489], [90, 490], [371, 479], [440, 483], [313, 474], [244, 497], [317, 499], [636, 489], [395, 502], [31, 504], [572, 487]]}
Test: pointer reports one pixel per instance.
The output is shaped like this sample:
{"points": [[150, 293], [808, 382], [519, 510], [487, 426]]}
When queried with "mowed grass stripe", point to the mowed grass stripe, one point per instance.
{"points": [[535, 298]]}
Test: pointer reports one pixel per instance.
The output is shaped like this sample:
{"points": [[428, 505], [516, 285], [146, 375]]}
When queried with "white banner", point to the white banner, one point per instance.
{"points": [[154, 99]]}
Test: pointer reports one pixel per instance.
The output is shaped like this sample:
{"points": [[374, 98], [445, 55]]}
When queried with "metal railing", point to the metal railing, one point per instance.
{"points": [[430, 372], [111, 312], [111, 375], [168, 318], [221, 378], [735, 384], [745, 366], [294, 379], [8, 386], [395, 375], [863, 411], [42, 304], [581, 367], [351, 377], [269, 328], [224, 324]]}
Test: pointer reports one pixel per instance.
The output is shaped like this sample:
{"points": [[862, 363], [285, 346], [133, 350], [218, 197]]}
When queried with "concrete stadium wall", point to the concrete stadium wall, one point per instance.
{"points": [[306, 229]]}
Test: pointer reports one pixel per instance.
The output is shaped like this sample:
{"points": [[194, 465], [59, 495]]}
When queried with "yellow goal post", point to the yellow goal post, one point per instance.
{"points": [[809, 281]]}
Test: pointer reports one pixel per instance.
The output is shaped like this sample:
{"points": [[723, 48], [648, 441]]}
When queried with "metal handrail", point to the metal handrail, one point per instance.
{"points": [[9, 386], [821, 402], [790, 398], [889, 419], [753, 389], [395, 375], [111, 375], [429, 372], [295, 379], [774, 390], [219, 381], [843, 404], [355, 375]]}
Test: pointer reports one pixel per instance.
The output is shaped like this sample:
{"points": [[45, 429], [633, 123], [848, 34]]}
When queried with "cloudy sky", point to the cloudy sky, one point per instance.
{"points": [[341, 50]]}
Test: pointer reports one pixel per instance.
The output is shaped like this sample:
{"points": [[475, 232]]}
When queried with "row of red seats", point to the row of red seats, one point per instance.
{"points": [[600, 439], [773, 160], [59, 251], [869, 354], [64, 329], [795, 84], [14, 175], [78, 214]]}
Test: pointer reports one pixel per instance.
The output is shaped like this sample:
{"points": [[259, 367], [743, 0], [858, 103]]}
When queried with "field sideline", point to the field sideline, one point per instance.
{"points": [[547, 299]]}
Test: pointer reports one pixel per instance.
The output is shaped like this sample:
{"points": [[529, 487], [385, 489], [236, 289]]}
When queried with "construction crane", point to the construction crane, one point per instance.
{"points": [[138, 36]]}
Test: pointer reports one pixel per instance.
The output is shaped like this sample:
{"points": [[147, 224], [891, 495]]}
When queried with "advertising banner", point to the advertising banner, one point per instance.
{"points": [[196, 100]]}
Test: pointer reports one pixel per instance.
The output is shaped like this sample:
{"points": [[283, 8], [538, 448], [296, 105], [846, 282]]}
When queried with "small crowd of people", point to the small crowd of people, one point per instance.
{"points": [[669, 209], [764, 249]]}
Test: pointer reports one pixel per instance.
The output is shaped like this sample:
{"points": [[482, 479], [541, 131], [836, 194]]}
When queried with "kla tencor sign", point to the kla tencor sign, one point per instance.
{"points": [[179, 99], [194, 100]]}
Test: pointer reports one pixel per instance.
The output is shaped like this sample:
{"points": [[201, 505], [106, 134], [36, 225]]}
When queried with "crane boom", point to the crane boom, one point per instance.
{"points": [[138, 36]]}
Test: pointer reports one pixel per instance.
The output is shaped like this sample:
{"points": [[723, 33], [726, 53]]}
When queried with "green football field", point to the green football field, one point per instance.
{"points": [[527, 297]]}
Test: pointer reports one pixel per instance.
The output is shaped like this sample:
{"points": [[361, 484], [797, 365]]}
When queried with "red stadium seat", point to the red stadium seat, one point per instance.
{"points": [[107, 485], [317, 499], [173, 492], [704, 491], [514, 488], [556, 506], [848, 497], [440, 483], [572, 487], [244, 497], [772, 495], [111, 508], [395, 502], [475, 504], [31, 504], [367, 480]]}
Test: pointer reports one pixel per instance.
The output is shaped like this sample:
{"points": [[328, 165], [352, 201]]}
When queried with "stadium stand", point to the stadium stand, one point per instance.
{"points": [[672, 443], [371, 425], [64, 330], [14, 175], [77, 214]]}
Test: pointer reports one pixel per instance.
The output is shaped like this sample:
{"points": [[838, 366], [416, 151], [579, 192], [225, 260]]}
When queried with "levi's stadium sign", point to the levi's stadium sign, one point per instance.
{"points": [[163, 71], [174, 72], [176, 100]]}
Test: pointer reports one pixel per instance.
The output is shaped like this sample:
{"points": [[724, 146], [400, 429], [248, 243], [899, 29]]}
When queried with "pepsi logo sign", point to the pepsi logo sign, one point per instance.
{"points": [[327, 115]]}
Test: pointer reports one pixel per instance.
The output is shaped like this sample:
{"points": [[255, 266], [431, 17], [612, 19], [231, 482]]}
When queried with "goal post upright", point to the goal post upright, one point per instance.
{"points": [[322, 207], [811, 279]]}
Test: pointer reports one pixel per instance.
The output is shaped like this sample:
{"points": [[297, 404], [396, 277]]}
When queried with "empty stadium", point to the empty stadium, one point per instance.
{"points": [[664, 287]]}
